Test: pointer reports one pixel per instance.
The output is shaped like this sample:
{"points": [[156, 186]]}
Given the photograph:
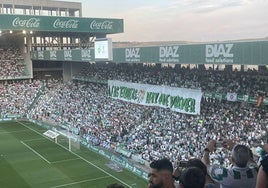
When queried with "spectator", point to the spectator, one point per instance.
{"points": [[239, 174], [262, 178], [161, 174], [198, 164], [192, 177]]}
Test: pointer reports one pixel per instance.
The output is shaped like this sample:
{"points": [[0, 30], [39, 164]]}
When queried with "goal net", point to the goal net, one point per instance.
{"points": [[64, 138]]}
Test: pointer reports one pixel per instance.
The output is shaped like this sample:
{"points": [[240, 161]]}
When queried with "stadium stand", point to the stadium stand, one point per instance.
{"points": [[153, 132], [250, 82], [16, 97], [11, 64]]}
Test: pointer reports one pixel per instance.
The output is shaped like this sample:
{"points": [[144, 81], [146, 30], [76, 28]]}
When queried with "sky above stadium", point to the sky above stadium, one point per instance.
{"points": [[183, 20]]}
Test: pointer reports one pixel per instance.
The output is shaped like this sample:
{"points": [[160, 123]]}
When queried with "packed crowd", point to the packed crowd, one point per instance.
{"points": [[11, 64], [251, 82], [16, 97], [150, 132]]}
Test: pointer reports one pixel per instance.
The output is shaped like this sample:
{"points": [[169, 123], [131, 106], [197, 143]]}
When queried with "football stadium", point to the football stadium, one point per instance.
{"points": [[79, 110]]}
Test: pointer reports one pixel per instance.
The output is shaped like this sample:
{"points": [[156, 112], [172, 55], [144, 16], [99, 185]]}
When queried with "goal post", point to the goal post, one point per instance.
{"points": [[69, 141], [51, 134], [64, 138]]}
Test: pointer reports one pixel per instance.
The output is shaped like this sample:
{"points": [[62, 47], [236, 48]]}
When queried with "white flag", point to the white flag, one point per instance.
{"points": [[231, 97]]}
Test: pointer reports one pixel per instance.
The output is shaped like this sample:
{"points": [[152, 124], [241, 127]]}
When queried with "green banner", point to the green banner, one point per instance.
{"points": [[177, 99], [235, 53], [123, 151], [61, 24]]}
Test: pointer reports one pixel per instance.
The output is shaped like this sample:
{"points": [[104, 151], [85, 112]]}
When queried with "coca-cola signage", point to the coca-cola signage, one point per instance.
{"points": [[101, 25], [59, 24], [28, 23], [66, 24]]}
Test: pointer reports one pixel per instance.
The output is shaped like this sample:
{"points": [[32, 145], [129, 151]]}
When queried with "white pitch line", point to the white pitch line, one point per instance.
{"points": [[35, 152], [83, 181], [35, 139], [66, 160], [77, 156]]}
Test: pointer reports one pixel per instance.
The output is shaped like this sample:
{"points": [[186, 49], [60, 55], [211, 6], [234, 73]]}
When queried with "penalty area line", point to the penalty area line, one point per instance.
{"points": [[34, 139], [78, 156], [36, 152], [65, 160]]}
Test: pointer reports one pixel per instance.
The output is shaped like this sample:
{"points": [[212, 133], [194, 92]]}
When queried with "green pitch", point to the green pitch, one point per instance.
{"points": [[28, 159]]}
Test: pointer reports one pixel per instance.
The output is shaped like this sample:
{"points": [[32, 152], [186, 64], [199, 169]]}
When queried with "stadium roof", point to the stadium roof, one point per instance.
{"points": [[41, 4]]}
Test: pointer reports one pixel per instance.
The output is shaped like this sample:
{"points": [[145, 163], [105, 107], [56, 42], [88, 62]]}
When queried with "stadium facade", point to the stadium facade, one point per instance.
{"points": [[35, 26], [40, 7]]}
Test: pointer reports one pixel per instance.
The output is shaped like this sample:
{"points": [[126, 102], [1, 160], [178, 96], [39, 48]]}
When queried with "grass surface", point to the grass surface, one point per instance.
{"points": [[28, 159]]}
